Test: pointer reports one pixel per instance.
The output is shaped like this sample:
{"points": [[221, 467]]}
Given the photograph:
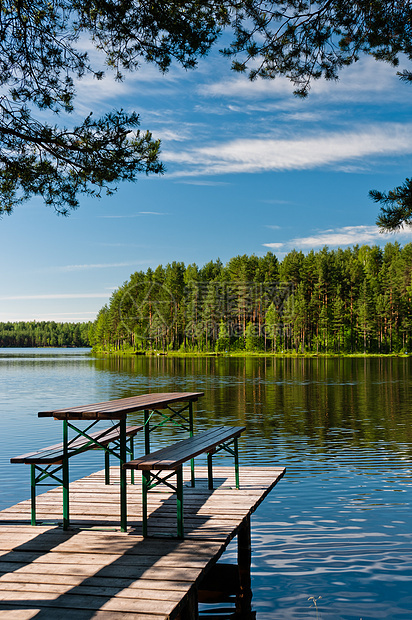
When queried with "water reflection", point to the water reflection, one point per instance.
{"points": [[338, 526]]}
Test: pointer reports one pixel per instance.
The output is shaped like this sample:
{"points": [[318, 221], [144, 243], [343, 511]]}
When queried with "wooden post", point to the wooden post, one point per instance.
{"points": [[244, 559], [191, 610]]}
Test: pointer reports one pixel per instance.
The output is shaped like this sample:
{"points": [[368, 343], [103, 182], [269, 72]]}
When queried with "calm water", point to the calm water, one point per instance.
{"points": [[338, 526]]}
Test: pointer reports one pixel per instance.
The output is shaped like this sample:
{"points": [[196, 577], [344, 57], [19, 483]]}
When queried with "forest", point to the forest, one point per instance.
{"points": [[353, 300], [44, 334]]}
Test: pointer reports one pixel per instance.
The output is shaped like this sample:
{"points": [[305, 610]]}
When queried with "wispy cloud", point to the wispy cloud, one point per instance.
{"points": [[131, 215], [151, 213], [312, 151], [86, 267], [347, 235], [360, 82], [54, 296], [202, 182]]}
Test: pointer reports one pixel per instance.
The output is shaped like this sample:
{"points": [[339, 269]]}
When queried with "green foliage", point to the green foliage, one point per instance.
{"points": [[344, 301], [40, 63], [44, 334], [396, 207], [303, 40], [223, 340]]}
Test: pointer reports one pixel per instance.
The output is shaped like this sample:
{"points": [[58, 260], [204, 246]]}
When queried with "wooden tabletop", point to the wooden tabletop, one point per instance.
{"points": [[118, 409]]}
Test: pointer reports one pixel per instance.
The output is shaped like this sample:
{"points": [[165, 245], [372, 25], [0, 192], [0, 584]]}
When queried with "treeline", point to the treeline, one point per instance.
{"points": [[44, 334], [329, 301]]}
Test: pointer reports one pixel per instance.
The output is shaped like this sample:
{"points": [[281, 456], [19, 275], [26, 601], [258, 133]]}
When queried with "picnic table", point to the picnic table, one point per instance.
{"points": [[170, 407]]}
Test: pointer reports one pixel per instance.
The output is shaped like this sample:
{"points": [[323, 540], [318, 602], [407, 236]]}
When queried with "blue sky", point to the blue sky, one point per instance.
{"points": [[250, 168]]}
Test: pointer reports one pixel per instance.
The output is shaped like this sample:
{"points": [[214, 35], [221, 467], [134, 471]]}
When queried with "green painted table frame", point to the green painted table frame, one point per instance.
{"points": [[42, 472], [170, 415], [151, 404]]}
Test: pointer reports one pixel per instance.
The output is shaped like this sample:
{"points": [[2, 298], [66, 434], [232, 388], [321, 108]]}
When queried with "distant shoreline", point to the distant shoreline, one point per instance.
{"points": [[240, 354]]}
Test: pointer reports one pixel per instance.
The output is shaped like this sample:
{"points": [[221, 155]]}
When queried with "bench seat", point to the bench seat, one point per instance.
{"points": [[47, 462], [54, 454], [171, 458]]}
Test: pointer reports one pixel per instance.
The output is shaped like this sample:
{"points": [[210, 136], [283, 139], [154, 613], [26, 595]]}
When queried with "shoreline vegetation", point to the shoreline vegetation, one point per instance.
{"points": [[329, 302], [41, 334], [339, 303], [239, 354]]}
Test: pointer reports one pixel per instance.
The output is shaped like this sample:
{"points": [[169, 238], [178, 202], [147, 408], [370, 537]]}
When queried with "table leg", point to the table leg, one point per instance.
{"points": [[236, 450], [179, 502], [123, 486], [65, 476], [146, 432], [33, 494], [192, 461], [145, 488]]}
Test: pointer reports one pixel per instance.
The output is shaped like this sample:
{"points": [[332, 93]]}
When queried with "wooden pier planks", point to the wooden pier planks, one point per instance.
{"points": [[102, 573]]}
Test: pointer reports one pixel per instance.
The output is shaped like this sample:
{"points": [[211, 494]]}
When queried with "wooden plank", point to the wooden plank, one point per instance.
{"points": [[173, 596], [172, 589], [173, 456], [108, 574], [8, 612], [91, 602], [122, 406]]}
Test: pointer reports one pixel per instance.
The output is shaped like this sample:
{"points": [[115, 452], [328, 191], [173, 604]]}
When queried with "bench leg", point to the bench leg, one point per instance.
{"points": [[209, 471], [106, 467], [179, 502], [131, 452], [145, 487], [146, 432], [65, 477], [33, 493]]}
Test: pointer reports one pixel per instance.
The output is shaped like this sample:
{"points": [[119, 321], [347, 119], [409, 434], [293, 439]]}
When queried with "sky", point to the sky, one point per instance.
{"points": [[249, 169]]}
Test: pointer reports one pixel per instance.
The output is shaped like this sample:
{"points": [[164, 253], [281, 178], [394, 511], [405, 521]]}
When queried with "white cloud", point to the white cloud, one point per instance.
{"points": [[312, 151], [347, 235], [274, 246], [362, 81]]}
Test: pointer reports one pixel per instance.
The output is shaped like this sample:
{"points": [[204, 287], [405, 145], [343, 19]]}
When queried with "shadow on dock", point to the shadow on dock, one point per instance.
{"points": [[73, 574]]}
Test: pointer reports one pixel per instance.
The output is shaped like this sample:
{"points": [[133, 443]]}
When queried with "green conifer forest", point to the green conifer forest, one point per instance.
{"points": [[354, 300], [44, 334]]}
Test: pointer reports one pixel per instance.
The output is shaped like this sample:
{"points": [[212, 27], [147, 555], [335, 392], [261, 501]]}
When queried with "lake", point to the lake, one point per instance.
{"points": [[333, 540]]}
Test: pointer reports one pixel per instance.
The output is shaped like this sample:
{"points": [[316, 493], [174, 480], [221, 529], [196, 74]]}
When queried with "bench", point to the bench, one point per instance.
{"points": [[172, 458], [48, 461]]}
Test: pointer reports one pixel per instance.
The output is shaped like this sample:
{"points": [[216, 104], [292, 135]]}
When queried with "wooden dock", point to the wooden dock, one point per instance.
{"points": [[95, 571]]}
